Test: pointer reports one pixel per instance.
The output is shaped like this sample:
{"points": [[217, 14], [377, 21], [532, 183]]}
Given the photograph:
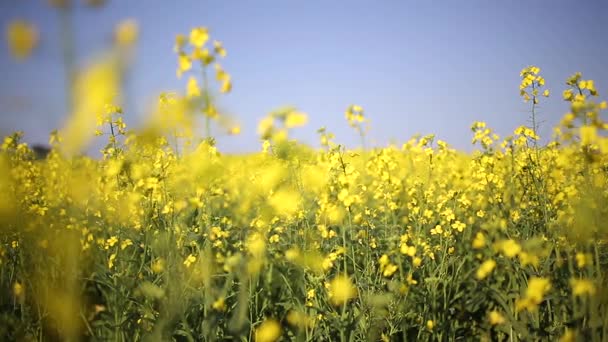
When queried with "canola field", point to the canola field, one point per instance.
{"points": [[165, 238]]}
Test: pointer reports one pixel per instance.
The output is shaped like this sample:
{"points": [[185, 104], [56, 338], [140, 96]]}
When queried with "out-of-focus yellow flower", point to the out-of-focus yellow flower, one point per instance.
{"points": [[430, 324], [285, 202], [234, 130], [588, 134], [268, 331], [583, 259], [537, 288], [568, 336], [199, 36], [158, 266], [111, 260], [22, 38], [183, 64], [341, 289], [94, 89], [180, 42], [495, 318], [485, 269], [296, 119], [126, 33], [18, 290], [126, 243], [479, 241], [300, 320], [218, 48], [256, 245], [219, 304], [192, 89], [226, 85], [510, 248], [191, 259], [582, 287]]}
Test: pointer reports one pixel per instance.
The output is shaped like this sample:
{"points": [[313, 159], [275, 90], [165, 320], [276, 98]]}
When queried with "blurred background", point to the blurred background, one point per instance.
{"points": [[414, 66]]}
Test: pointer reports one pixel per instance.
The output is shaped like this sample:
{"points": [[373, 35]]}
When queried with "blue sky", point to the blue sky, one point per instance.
{"points": [[415, 66]]}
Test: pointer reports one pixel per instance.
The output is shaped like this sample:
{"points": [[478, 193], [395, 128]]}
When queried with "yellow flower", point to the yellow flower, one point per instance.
{"points": [[417, 261], [479, 241], [510, 248], [408, 250], [430, 324], [581, 287], [300, 320], [295, 119], [341, 290], [274, 238], [218, 48], [226, 85], [126, 243], [588, 134], [256, 246], [234, 130], [495, 318], [111, 242], [192, 89], [568, 336], [268, 331], [389, 270], [22, 38], [111, 260], [180, 42], [219, 304], [158, 266], [485, 269], [17, 289], [184, 64], [583, 259], [537, 288], [126, 33], [190, 260], [199, 36]]}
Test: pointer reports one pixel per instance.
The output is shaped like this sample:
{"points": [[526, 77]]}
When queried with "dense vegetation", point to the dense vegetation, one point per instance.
{"points": [[166, 238]]}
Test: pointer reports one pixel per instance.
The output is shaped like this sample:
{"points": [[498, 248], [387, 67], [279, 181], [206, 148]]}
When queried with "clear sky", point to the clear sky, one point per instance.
{"points": [[415, 66]]}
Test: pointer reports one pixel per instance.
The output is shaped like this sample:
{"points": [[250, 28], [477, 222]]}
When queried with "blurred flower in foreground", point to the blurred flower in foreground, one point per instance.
{"points": [[268, 331], [126, 33], [95, 87], [341, 290], [22, 38]]}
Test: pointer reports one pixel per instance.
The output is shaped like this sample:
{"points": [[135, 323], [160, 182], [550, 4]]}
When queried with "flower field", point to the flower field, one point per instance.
{"points": [[164, 237]]}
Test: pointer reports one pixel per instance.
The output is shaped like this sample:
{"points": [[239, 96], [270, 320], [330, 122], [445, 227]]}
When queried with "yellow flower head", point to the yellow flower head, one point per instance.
{"points": [[495, 318], [268, 331], [485, 269], [199, 36], [582, 287], [22, 38], [341, 289], [126, 33]]}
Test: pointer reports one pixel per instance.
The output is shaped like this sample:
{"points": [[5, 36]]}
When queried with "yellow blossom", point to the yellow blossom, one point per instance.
{"points": [[268, 331], [485, 269], [22, 38], [199, 36], [495, 318], [341, 290], [582, 287], [126, 33], [190, 260]]}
